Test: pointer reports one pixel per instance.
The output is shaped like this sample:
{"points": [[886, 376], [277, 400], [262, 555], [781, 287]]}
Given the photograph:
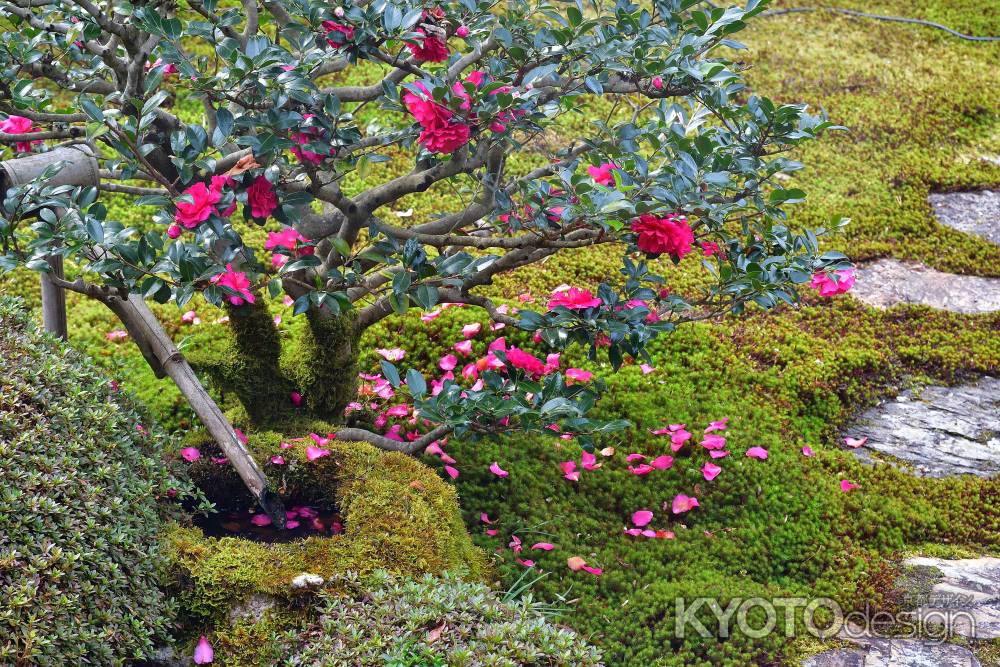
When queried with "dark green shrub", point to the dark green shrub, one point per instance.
{"points": [[385, 621], [80, 474]]}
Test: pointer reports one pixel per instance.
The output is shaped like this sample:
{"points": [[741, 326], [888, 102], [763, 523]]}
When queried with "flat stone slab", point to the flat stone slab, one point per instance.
{"points": [[964, 597], [970, 212], [937, 431], [890, 282], [877, 652]]}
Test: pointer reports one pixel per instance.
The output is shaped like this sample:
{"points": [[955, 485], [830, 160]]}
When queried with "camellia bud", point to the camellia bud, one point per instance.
{"points": [[658, 82], [338, 12], [463, 31], [173, 231], [497, 127]]}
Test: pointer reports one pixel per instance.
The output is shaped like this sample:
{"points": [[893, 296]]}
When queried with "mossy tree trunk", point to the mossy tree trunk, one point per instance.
{"points": [[320, 363]]}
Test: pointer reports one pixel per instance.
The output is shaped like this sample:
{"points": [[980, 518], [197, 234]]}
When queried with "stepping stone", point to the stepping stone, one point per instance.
{"points": [[970, 212], [964, 594], [879, 652], [937, 432], [889, 282]]}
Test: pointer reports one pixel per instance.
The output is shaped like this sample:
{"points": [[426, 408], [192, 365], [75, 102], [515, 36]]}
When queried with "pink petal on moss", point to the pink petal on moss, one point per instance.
{"points": [[662, 462], [278, 460], [854, 443], [240, 436], [757, 453], [203, 653], [261, 520], [448, 362], [452, 472], [642, 517], [807, 451], [543, 546], [313, 453], [710, 471], [718, 453], [847, 485], [497, 470], [596, 571], [190, 454]]}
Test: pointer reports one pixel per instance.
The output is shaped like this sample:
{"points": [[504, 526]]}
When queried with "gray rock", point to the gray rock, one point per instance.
{"points": [[970, 212], [937, 431], [964, 595], [890, 282], [875, 652]]}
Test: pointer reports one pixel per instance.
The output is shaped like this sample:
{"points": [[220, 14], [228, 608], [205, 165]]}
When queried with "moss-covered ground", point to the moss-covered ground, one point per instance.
{"points": [[922, 109]]}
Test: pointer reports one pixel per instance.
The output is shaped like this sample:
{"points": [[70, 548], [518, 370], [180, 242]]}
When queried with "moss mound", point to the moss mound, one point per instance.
{"points": [[80, 473], [398, 516]]}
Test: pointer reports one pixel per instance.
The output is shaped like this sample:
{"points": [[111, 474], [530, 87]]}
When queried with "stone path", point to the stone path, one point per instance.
{"points": [[889, 282], [873, 652], [937, 431], [964, 597], [970, 212]]}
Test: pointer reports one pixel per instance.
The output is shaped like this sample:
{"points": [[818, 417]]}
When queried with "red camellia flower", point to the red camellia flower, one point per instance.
{"points": [[574, 298], [19, 125], [202, 204], [671, 235], [261, 197], [238, 282], [430, 49], [345, 30]]}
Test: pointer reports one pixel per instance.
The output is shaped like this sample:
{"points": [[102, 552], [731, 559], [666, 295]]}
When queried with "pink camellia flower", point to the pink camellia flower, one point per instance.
{"points": [[470, 330], [190, 454], [345, 30], [394, 354], [464, 348], [526, 362], [573, 298], [462, 31], [710, 471], [116, 335], [542, 546], [203, 653], [569, 471], [642, 517], [847, 486], [278, 460], [202, 205], [313, 453], [683, 503], [261, 520], [290, 239], [262, 198], [854, 443], [711, 248], [831, 285], [497, 470], [19, 125], [430, 49], [757, 453], [671, 235], [807, 451], [577, 375], [448, 362], [442, 131], [603, 174], [238, 282]]}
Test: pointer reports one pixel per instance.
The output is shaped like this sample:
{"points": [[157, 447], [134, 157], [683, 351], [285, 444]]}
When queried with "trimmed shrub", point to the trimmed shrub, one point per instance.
{"points": [[80, 474], [385, 621]]}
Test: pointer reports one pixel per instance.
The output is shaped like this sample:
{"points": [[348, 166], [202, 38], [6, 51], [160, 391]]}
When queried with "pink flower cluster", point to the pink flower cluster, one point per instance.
{"points": [[288, 239], [833, 283], [236, 281], [442, 131]]}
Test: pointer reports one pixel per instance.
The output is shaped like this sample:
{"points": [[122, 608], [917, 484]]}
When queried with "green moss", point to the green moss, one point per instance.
{"points": [[323, 361], [397, 514]]}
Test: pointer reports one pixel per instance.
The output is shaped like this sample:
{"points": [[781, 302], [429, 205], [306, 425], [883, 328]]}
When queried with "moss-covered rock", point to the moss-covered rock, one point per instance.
{"points": [[398, 516]]}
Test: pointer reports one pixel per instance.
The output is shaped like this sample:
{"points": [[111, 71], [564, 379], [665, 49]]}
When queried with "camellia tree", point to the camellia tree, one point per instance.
{"points": [[683, 160]]}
